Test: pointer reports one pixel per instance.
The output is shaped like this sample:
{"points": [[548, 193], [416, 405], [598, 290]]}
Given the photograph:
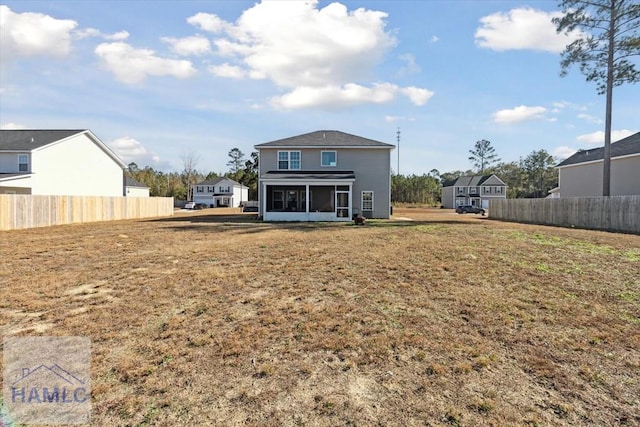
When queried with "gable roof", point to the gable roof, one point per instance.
{"points": [[473, 181], [218, 179], [325, 138], [130, 182], [623, 147], [27, 140], [33, 139]]}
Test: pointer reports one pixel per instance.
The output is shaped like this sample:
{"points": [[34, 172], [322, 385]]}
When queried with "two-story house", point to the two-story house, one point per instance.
{"points": [[581, 174], [476, 190], [58, 162], [220, 192], [325, 175]]}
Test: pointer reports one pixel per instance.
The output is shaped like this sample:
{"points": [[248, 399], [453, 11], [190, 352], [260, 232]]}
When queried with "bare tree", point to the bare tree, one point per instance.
{"points": [[611, 35], [189, 172]]}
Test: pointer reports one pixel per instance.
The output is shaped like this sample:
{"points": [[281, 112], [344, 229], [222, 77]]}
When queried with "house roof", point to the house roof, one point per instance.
{"points": [[218, 179], [130, 182], [325, 138], [470, 181], [27, 140], [623, 147], [302, 175], [32, 139]]}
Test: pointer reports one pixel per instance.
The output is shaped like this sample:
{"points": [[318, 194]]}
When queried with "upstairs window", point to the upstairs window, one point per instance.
{"points": [[460, 190], [23, 162], [209, 189], [486, 190], [328, 159], [288, 160], [498, 190], [225, 189], [199, 189]]}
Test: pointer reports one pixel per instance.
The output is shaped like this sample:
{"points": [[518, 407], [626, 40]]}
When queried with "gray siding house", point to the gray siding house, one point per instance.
{"points": [[581, 174], [475, 190], [325, 175]]}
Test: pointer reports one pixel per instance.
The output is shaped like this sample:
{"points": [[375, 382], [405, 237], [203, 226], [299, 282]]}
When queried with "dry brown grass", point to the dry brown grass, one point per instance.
{"points": [[444, 320]]}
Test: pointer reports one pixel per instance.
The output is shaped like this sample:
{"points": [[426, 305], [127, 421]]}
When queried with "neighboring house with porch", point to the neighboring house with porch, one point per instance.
{"points": [[58, 162], [220, 192], [133, 188], [325, 175], [476, 190], [581, 174]]}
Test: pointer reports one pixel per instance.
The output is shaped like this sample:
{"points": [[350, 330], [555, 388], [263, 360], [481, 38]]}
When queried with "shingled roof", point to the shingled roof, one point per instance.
{"points": [[325, 138], [27, 140], [624, 147]]}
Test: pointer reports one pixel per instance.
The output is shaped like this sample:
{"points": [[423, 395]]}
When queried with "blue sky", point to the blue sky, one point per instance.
{"points": [[157, 80]]}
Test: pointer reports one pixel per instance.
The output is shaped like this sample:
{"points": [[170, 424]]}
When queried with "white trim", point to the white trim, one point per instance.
{"points": [[289, 168], [335, 164], [372, 201]]}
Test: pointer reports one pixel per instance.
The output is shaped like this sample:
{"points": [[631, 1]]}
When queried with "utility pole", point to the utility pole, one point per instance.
{"points": [[398, 139]]}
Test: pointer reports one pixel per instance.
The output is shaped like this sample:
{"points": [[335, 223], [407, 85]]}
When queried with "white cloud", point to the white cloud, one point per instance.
{"points": [[519, 114], [597, 138], [119, 36], [590, 118], [228, 71], [12, 126], [30, 34], [131, 65], [563, 152], [417, 95], [208, 22], [350, 94], [335, 96], [131, 150], [92, 32], [522, 28], [411, 66], [394, 119], [194, 45], [307, 51], [434, 39]]}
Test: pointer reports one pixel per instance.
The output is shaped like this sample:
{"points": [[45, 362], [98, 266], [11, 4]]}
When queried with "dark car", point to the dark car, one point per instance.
{"points": [[470, 209], [199, 206]]}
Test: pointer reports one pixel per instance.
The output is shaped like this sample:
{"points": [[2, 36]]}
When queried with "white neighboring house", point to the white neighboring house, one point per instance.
{"points": [[220, 192], [476, 190], [581, 174], [133, 188], [58, 162]]}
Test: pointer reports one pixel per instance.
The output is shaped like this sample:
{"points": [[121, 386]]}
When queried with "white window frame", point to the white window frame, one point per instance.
{"points": [[498, 190], [226, 189], [460, 190], [486, 190], [289, 160], [362, 200], [199, 189], [331, 164], [23, 160]]}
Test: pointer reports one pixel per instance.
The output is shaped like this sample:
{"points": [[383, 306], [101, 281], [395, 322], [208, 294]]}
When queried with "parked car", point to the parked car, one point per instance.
{"points": [[190, 205], [200, 206], [470, 209]]}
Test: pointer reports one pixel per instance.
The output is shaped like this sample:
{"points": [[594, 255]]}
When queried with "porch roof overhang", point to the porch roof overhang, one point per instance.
{"points": [[308, 176]]}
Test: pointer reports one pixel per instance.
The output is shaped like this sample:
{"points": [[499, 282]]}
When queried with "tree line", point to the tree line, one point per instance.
{"points": [[179, 184], [531, 176]]}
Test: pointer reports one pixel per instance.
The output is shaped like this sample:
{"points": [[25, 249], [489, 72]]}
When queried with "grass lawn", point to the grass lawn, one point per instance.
{"points": [[203, 319]]}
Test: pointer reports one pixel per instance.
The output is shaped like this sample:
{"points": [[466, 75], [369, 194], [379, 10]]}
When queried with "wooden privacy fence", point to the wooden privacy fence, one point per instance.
{"points": [[28, 211], [617, 213]]}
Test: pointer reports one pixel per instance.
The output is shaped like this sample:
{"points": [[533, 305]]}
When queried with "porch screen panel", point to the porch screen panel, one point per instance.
{"points": [[322, 198]]}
